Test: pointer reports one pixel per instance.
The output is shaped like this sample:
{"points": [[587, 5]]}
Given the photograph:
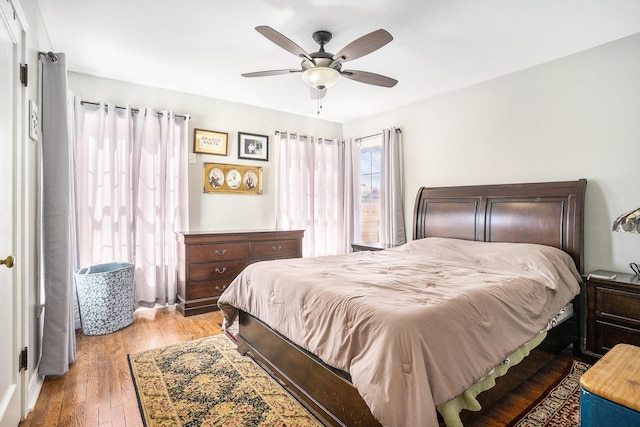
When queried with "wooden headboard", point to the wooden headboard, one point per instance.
{"points": [[547, 213]]}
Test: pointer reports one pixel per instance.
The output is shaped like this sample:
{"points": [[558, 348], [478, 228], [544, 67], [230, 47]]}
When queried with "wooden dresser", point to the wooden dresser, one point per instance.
{"points": [[209, 261]]}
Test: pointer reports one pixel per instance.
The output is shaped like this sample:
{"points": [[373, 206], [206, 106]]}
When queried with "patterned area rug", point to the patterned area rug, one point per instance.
{"points": [[559, 406], [206, 382]]}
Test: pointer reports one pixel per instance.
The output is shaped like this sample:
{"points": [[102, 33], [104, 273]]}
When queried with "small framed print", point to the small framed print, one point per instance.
{"points": [[253, 147], [225, 178], [210, 142], [34, 122]]}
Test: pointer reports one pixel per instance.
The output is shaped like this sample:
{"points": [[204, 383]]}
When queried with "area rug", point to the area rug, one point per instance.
{"points": [[559, 405], [206, 382]]}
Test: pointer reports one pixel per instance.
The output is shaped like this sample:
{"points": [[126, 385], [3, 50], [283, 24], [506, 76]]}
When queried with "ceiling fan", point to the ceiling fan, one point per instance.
{"points": [[321, 70]]}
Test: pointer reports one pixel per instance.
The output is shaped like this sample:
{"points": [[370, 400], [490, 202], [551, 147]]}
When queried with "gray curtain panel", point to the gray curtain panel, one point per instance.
{"points": [[392, 230], [58, 340], [351, 193]]}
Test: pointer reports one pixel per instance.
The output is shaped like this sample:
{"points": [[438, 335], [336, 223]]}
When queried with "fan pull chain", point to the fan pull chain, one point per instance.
{"points": [[319, 104]]}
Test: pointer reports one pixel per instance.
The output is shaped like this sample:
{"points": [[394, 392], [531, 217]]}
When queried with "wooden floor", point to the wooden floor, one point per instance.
{"points": [[524, 395], [98, 390]]}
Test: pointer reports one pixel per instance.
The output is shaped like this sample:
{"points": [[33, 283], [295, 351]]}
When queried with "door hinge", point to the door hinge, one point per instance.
{"points": [[24, 74], [23, 360]]}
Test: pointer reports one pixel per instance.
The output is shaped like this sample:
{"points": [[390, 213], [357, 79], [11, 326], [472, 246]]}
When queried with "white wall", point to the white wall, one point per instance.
{"points": [[576, 117], [211, 212]]}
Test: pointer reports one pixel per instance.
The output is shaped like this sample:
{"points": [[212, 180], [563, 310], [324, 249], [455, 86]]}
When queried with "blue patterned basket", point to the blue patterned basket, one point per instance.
{"points": [[106, 297]]}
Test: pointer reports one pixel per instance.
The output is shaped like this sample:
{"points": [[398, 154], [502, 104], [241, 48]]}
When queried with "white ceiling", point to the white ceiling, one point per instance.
{"points": [[202, 46]]}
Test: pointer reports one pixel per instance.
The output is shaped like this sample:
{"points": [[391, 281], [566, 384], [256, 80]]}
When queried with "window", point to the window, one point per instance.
{"points": [[370, 190]]}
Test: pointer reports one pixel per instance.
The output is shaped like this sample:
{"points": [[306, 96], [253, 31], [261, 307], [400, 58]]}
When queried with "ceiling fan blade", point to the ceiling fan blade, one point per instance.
{"points": [[364, 45], [369, 78], [282, 41], [318, 93], [270, 73]]}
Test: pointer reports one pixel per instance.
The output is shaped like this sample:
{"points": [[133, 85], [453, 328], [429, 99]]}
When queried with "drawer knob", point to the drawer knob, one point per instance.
{"points": [[221, 288], [221, 271], [276, 248], [224, 251]]}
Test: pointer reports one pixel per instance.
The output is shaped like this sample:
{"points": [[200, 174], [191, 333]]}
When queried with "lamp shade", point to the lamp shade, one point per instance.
{"points": [[320, 77], [628, 222]]}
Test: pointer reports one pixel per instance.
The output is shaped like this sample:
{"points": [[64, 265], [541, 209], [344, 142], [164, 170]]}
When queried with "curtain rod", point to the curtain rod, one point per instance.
{"points": [[368, 136], [301, 136], [134, 110], [398, 130]]}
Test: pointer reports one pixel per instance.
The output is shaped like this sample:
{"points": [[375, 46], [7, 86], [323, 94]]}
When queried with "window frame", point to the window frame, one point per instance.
{"points": [[369, 143]]}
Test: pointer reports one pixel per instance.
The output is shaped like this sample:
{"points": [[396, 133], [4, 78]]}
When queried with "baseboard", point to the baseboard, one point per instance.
{"points": [[35, 386]]}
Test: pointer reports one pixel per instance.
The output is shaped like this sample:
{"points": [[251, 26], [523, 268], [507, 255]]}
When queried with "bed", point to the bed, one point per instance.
{"points": [[349, 388]]}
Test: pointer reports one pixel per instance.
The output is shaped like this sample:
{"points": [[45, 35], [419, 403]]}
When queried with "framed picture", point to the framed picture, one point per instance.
{"points": [[34, 123], [253, 147], [225, 178], [210, 142]]}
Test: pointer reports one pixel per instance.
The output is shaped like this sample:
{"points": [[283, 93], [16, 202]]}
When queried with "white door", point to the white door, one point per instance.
{"points": [[10, 119]]}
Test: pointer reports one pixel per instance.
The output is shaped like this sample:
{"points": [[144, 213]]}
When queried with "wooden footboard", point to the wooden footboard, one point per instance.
{"points": [[326, 393], [331, 397]]}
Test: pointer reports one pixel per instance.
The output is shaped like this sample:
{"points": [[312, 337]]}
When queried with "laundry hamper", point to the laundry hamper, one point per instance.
{"points": [[105, 296]]}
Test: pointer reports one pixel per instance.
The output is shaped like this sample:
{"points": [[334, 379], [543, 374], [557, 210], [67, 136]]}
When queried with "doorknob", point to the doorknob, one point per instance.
{"points": [[8, 261]]}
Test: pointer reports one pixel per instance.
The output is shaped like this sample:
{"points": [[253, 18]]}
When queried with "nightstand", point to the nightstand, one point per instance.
{"points": [[613, 311], [370, 246]]}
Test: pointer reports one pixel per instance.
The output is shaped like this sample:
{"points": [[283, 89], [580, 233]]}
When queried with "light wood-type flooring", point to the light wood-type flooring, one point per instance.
{"points": [[98, 390]]}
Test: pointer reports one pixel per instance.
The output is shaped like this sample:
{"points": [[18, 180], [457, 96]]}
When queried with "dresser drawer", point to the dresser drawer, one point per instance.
{"points": [[218, 252], [618, 305], [223, 270], [208, 288], [610, 334], [275, 249]]}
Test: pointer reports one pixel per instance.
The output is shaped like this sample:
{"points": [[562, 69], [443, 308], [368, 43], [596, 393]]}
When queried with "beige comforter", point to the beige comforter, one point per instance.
{"points": [[416, 325]]}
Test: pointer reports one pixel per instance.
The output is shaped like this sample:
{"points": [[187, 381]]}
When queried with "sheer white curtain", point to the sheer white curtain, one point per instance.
{"points": [[104, 159], [162, 206], [310, 191], [131, 192], [392, 230]]}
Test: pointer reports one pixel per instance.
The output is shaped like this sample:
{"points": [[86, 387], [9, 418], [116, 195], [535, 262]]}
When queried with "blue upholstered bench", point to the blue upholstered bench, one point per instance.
{"points": [[610, 389]]}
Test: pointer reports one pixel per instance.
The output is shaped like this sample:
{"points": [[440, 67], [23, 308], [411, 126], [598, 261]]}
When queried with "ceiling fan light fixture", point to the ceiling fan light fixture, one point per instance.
{"points": [[320, 77]]}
